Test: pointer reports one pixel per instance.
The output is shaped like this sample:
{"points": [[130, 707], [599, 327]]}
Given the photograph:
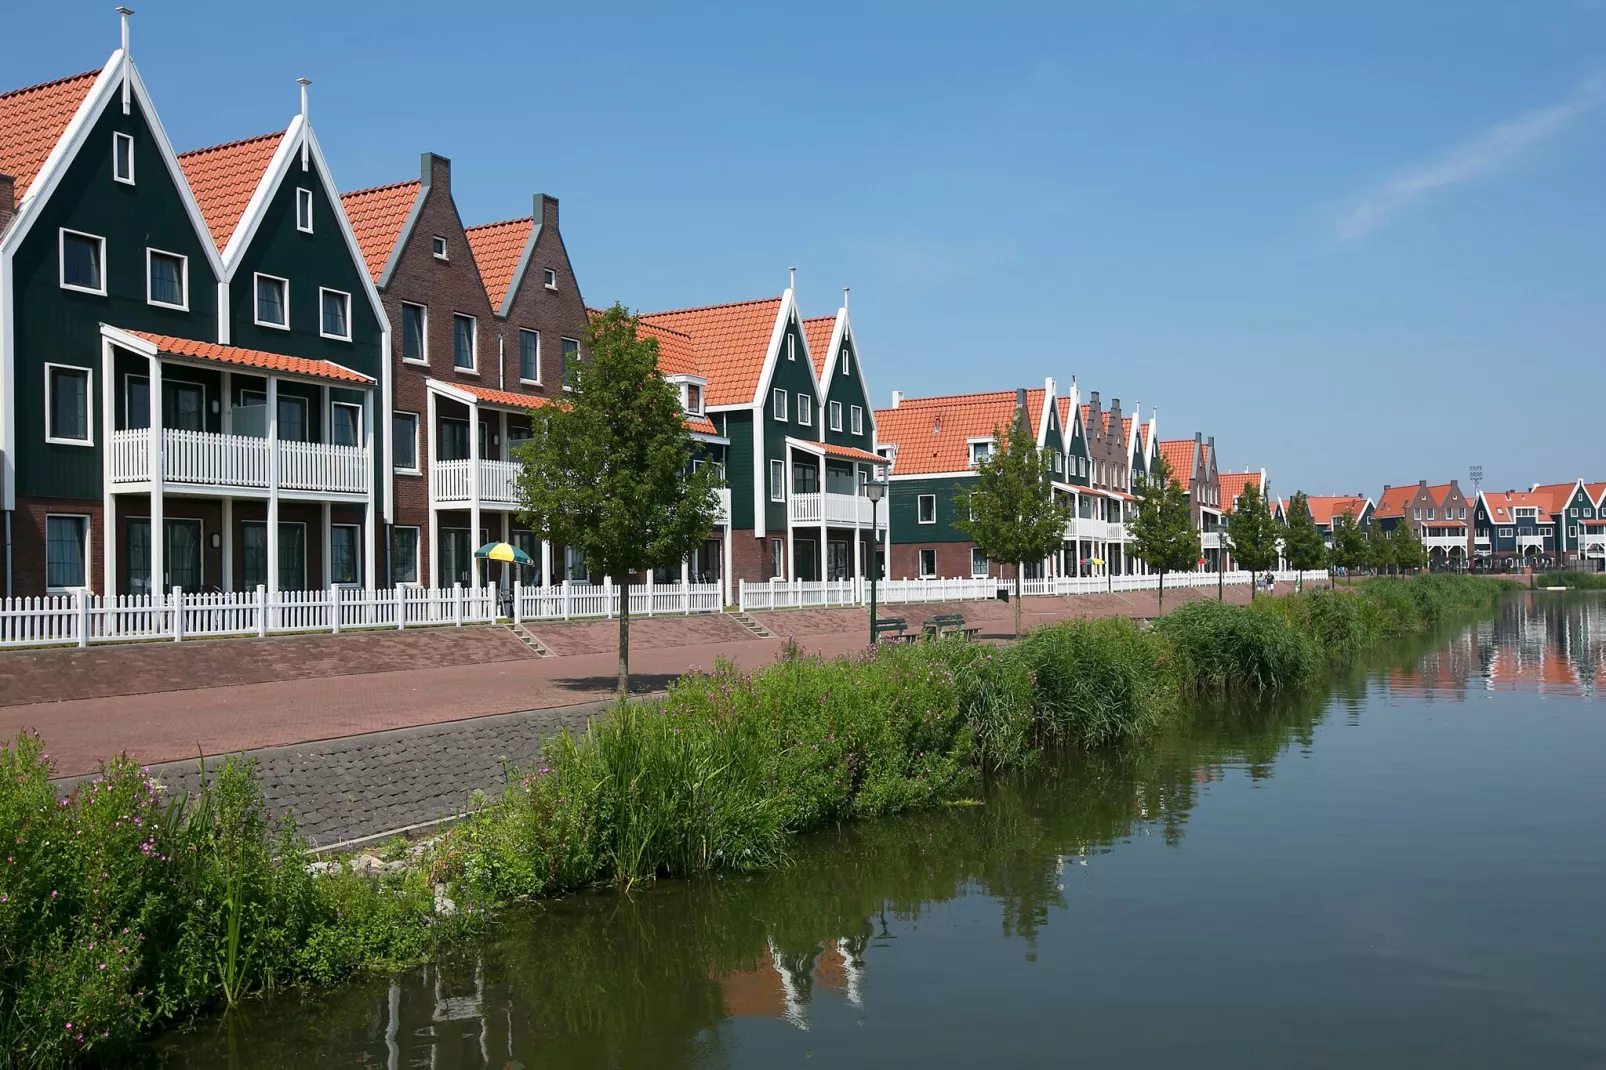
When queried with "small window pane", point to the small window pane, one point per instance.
{"points": [[123, 157], [404, 432], [292, 420], [336, 314], [858, 420], [303, 209], [694, 398], [64, 551], [530, 355], [343, 554], [69, 403], [413, 332], [404, 554], [928, 562], [167, 278], [928, 508], [805, 409], [80, 261], [346, 424], [270, 301], [571, 352], [463, 342], [139, 402]]}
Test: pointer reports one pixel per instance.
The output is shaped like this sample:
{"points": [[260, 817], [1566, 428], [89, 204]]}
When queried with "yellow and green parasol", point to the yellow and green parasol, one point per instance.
{"points": [[503, 551]]}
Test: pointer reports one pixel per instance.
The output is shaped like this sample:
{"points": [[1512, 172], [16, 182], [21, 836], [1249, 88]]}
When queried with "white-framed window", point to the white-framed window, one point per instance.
{"points": [[292, 418], [66, 551], [404, 441], [979, 565], [926, 508], [856, 419], [167, 279], [1575, 510], [529, 356], [928, 563], [414, 333], [83, 262], [694, 398], [404, 554], [847, 363], [345, 423], [805, 410], [123, 158], [979, 450], [791, 347], [292, 554], [836, 415], [1416, 514], [272, 301], [778, 404], [345, 555], [69, 406], [778, 558], [1461, 513], [1572, 531], [304, 210], [465, 331], [437, 245], [1059, 463], [1506, 533], [571, 354], [334, 314], [1430, 514], [550, 279], [777, 481]]}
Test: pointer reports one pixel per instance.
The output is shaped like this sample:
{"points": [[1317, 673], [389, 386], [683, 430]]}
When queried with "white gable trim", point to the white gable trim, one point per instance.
{"points": [[844, 333], [786, 314]]}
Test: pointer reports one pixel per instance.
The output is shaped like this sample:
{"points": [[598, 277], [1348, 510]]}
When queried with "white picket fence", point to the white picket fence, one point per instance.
{"points": [[804, 594], [81, 619]]}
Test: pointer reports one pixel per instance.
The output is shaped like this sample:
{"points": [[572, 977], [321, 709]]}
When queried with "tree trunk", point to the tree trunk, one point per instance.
{"points": [[1162, 594], [624, 637], [1017, 600]]}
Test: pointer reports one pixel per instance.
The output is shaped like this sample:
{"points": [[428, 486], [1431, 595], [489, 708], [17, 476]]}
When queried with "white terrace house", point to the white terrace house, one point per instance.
{"points": [[293, 450]]}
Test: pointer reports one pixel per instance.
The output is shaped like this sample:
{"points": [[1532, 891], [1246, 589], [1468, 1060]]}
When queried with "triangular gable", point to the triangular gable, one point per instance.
{"points": [[826, 337]]}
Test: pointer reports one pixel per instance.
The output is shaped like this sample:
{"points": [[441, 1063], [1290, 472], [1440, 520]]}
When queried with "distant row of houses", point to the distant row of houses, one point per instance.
{"points": [[1548, 525], [219, 371]]}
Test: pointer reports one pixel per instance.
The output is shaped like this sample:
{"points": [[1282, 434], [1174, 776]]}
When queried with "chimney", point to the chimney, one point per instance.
{"points": [[897, 398], [1386, 488], [545, 210], [1093, 399], [1020, 400], [435, 172], [8, 201], [1421, 482], [124, 13]]}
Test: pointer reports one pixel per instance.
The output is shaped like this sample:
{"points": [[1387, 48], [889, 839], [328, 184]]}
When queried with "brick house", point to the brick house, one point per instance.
{"points": [[1439, 514]]}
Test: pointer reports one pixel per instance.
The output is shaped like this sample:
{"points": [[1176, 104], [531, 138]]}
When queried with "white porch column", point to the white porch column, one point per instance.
{"points": [[273, 485], [226, 403], [825, 546], [371, 555], [474, 488], [328, 537], [427, 465], [158, 531], [108, 509], [228, 544], [725, 572], [546, 563]]}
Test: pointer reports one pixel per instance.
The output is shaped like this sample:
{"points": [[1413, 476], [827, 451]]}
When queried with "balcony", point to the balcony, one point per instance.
{"points": [[1081, 527], [239, 462], [724, 505], [1593, 544], [1444, 542], [1210, 540], [450, 483], [836, 510]]}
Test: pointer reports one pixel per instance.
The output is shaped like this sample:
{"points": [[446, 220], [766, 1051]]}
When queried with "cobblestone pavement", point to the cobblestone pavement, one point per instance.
{"points": [[361, 786]]}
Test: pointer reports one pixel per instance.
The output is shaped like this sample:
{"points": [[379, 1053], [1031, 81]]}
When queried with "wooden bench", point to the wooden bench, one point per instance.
{"points": [[895, 628], [949, 624]]}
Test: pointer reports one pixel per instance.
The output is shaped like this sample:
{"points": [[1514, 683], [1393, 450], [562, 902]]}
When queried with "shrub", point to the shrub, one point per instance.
{"points": [[1227, 648], [1098, 682]]}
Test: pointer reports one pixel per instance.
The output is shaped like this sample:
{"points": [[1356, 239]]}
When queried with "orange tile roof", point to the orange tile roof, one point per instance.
{"points": [[676, 353], [1501, 503], [818, 331], [1178, 453], [506, 398], [702, 425], [32, 120], [1325, 508], [1597, 492], [497, 248], [223, 178], [933, 437], [252, 358], [731, 343], [377, 216], [1126, 430], [1234, 484], [849, 453]]}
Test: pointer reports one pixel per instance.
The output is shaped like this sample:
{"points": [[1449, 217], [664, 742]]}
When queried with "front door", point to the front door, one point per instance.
{"points": [[181, 555], [457, 557], [838, 561], [805, 560]]}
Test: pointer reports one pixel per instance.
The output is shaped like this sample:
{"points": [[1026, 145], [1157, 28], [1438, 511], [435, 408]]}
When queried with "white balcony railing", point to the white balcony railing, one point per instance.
{"points": [[1081, 527], [1210, 540], [200, 458], [724, 504], [846, 510], [1593, 544], [498, 482], [1444, 542]]}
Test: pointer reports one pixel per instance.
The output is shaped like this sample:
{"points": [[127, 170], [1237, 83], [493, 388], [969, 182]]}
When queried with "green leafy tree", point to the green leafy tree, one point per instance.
{"points": [[1379, 550], [1302, 543], [1010, 512], [1407, 548], [1253, 533], [1350, 550], [1162, 532], [607, 468]]}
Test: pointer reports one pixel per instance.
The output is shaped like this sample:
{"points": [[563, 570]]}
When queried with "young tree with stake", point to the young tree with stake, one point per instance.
{"points": [[1010, 512], [607, 468], [1252, 533], [1349, 543], [1162, 532], [1302, 544]]}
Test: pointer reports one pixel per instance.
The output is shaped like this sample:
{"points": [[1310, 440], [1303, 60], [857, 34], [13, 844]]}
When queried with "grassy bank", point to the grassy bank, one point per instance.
{"points": [[121, 910], [1579, 581]]}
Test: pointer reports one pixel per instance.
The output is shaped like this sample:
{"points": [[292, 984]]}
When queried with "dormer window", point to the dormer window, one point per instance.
{"points": [[694, 398], [551, 278], [438, 243], [979, 451], [304, 210], [123, 158]]}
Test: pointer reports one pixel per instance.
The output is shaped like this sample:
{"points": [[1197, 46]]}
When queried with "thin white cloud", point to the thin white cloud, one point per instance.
{"points": [[1471, 159]]}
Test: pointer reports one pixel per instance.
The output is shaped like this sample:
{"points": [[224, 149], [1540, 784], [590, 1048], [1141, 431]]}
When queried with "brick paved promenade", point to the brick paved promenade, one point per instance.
{"points": [[365, 732]]}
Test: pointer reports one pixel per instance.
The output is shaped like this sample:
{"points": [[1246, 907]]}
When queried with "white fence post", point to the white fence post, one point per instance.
{"points": [[262, 610], [82, 606], [178, 614], [518, 599], [607, 596], [401, 608], [650, 589], [334, 609]]}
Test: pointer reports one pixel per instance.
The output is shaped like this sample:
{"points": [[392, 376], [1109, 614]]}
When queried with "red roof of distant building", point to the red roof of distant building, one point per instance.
{"points": [[1502, 502], [818, 331], [1325, 508], [731, 341], [223, 178], [1234, 483], [933, 434], [32, 120], [377, 216], [1178, 453]]}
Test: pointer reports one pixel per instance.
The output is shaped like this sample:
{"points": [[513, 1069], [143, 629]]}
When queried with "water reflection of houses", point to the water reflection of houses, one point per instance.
{"points": [[782, 985], [1539, 643]]}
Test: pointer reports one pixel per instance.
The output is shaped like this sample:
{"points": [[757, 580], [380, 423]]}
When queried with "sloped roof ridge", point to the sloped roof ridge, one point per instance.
{"points": [[501, 223], [51, 84], [386, 188], [230, 144], [709, 308]]}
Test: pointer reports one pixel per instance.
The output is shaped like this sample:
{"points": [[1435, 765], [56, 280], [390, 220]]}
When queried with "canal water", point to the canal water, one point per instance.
{"points": [[1409, 871]]}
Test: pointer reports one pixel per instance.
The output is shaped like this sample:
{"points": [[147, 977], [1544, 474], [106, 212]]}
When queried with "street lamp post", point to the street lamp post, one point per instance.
{"points": [[875, 491]]}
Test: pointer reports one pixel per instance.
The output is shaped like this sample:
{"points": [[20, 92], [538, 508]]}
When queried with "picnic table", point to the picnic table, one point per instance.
{"points": [[894, 628], [949, 624]]}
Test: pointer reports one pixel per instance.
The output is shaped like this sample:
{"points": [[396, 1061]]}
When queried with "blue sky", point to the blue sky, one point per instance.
{"points": [[1360, 246]]}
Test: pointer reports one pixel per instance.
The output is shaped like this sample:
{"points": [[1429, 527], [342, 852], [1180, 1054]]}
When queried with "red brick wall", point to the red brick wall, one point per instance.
{"points": [[28, 542], [953, 561]]}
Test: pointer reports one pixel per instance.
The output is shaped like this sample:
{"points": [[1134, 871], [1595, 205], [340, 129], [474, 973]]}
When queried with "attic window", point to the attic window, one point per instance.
{"points": [[551, 278], [791, 348], [980, 451], [304, 210], [123, 158], [438, 243]]}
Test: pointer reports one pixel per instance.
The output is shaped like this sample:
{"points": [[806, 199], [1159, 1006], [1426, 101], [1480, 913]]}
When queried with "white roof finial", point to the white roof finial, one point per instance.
{"points": [[125, 12], [844, 298], [303, 83], [791, 279]]}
